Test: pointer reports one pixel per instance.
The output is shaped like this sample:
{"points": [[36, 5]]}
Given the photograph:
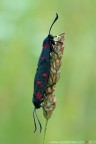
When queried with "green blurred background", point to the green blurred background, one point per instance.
{"points": [[23, 26]]}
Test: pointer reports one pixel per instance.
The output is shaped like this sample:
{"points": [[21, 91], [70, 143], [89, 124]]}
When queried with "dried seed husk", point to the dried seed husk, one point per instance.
{"points": [[49, 103], [57, 76]]}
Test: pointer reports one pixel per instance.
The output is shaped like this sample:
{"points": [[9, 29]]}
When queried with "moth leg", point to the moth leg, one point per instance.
{"points": [[47, 88], [47, 94], [50, 85], [55, 52], [43, 109], [59, 42]]}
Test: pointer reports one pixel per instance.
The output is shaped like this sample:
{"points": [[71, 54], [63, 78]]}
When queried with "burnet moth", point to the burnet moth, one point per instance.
{"points": [[42, 73]]}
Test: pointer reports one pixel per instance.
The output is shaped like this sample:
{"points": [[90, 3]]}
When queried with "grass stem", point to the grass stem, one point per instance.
{"points": [[45, 131]]}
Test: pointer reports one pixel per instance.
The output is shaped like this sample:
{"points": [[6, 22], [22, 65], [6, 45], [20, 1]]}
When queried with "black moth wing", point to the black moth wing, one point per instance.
{"points": [[41, 79], [45, 53]]}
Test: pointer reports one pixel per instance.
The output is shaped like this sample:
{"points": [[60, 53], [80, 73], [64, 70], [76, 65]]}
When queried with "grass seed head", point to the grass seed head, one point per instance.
{"points": [[49, 103]]}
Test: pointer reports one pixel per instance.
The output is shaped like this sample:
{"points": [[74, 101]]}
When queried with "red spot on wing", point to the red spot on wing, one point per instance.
{"points": [[44, 74], [38, 95], [42, 57], [46, 46], [39, 82], [46, 56]]}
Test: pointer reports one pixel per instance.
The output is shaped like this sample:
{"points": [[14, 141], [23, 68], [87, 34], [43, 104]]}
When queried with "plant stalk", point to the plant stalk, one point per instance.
{"points": [[45, 131]]}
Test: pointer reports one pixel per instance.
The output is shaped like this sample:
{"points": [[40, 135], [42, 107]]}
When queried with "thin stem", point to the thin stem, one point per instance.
{"points": [[45, 131]]}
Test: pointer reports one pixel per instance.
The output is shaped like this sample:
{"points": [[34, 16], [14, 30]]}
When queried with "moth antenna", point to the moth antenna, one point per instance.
{"points": [[34, 120], [53, 23], [38, 121]]}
